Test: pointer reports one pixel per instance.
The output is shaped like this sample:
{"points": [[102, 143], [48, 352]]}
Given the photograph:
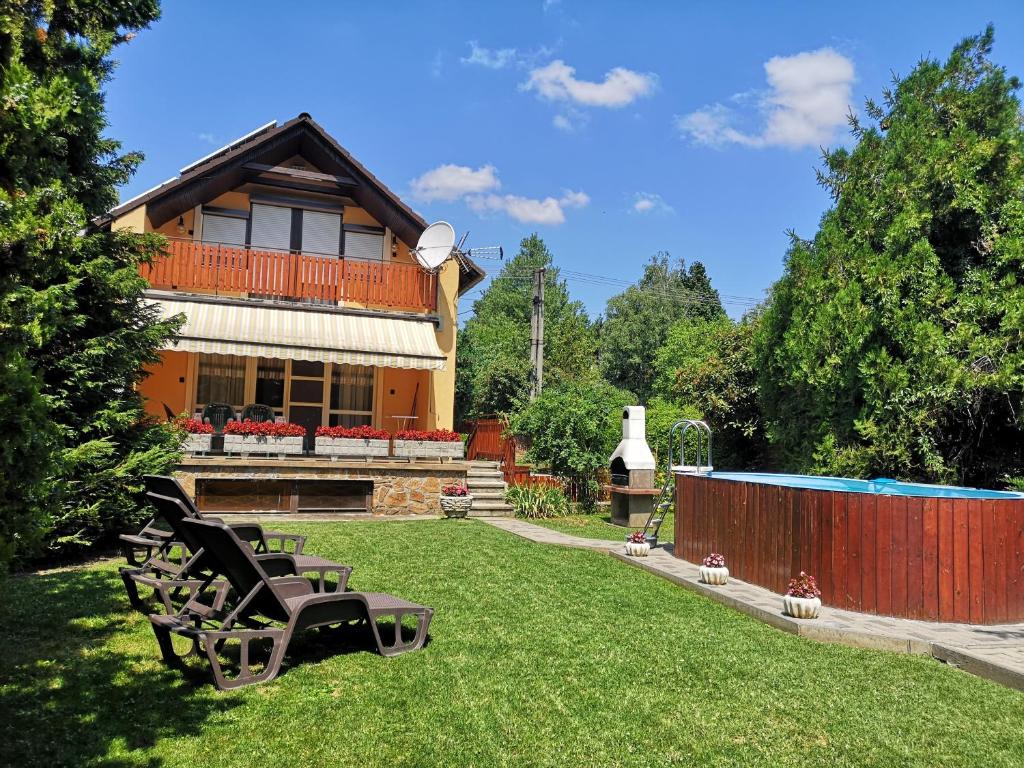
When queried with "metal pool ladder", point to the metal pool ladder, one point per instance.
{"points": [[665, 499]]}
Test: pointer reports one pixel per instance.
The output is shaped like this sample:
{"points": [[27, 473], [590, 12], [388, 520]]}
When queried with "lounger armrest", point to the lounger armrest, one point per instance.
{"points": [[277, 564], [292, 586], [250, 533], [282, 540]]}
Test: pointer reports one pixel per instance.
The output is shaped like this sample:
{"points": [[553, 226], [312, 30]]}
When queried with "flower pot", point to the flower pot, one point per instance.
{"points": [[637, 549], [715, 576], [801, 607], [197, 443], [350, 446], [456, 506], [262, 444], [429, 449]]}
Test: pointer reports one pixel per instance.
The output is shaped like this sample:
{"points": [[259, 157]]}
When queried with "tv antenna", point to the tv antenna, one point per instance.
{"points": [[437, 244]]}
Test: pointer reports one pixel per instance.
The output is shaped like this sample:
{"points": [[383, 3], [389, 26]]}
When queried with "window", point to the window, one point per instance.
{"points": [[270, 383], [351, 395], [221, 379], [223, 229], [321, 233], [271, 227], [364, 245]]}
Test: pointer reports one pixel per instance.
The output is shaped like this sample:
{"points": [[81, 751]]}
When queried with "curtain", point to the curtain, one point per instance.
{"points": [[352, 388], [221, 380]]}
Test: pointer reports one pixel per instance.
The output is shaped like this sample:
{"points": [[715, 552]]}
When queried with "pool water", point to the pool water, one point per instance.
{"points": [[879, 485]]}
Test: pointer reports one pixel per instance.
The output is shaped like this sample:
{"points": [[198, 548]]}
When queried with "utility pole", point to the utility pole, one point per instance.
{"points": [[537, 335]]}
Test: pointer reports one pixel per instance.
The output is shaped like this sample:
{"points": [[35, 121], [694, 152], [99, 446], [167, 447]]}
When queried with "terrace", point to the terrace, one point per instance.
{"points": [[233, 271]]}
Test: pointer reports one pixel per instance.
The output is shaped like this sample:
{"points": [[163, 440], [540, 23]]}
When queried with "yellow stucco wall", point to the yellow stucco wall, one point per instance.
{"points": [[442, 383]]}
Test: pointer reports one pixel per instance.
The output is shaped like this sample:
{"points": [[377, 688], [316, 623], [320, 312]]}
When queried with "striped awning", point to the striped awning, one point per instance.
{"points": [[304, 334]]}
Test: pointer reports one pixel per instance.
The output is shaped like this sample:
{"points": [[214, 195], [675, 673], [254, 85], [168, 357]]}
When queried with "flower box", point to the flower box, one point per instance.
{"points": [[351, 446], [638, 548], [290, 444], [197, 443], [429, 449], [714, 576], [801, 607], [456, 506]]}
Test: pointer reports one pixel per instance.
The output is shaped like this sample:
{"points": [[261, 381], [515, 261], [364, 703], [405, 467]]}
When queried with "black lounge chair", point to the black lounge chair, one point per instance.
{"points": [[154, 546], [263, 603], [169, 581]]}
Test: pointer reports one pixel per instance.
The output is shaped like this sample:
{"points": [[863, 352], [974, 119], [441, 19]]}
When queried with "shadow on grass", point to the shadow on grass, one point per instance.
{"points": [[76, 684]]}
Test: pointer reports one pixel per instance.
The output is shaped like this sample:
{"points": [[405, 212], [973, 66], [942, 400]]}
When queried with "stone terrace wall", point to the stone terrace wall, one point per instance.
{"points": [[399, 488]]}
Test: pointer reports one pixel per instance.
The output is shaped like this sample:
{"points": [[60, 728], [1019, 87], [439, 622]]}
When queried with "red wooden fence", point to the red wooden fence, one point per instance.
{"points": [[296, 276], [924, 558]]}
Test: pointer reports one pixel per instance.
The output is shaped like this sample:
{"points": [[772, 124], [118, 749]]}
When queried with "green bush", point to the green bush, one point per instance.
{"points": [[538, 502]]}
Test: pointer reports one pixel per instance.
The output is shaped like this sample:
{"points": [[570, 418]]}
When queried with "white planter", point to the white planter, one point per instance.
{"points": [[196, 443], [429, 449], [715, 576], [262, 444], [351, 446], [801, 607], [637, 549], [456, 506]]}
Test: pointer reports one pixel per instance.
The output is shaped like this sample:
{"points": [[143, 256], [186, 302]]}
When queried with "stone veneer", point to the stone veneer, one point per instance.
{"points": [[399, 487]]}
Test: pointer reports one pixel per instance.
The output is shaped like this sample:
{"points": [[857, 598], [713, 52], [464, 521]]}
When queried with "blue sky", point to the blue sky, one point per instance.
{"points": [[614, 130]]}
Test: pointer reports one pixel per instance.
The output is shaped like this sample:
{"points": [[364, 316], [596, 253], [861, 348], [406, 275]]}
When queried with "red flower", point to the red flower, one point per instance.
{"points": [[803, 586], [714, 560], [355, 433], [637, 537], [433, 436], [264, 429], [194, 426], [455, 490]]}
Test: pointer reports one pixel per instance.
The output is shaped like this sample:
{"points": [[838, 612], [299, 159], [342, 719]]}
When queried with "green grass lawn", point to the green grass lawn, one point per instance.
{"points": [[599, 526], [540, 656]]}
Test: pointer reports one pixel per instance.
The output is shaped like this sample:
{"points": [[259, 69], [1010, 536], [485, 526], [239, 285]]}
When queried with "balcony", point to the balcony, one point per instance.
{"points": [[227, 270]]}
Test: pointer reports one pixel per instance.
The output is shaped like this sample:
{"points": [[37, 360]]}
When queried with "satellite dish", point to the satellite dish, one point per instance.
{"points": [[435, 245]]}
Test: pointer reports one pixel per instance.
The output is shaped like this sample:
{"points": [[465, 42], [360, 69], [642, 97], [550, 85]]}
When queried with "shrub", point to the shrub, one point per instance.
{"points": [[354, 433], [803, 585], [455, 490], [537, 501], [433, 436], [194, 426], [264, 429]]}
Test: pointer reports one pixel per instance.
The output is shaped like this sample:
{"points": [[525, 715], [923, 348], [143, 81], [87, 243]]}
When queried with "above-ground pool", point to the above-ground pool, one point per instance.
{"points": [[932, 552]]}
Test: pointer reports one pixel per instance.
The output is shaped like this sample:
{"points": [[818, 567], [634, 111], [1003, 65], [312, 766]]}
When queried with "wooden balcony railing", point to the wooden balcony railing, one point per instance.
{"points": [[235, 271]]}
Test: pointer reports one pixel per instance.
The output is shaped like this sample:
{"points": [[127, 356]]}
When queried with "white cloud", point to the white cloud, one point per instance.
{"points": [[563, 123], [437, 64], [649, 202], [529, 210], [450, 182], [557, 82], [492, 58], [207, 138], [807, 100]]}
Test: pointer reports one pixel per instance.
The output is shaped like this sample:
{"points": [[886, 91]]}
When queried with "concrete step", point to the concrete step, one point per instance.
{"points": [[477, 482], [479, 496], [482, 464], [491, 512], [482, 504], [483, 472]]}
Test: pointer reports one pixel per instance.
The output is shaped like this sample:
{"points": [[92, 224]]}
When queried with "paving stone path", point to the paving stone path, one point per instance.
{"points": [[992, 651]]}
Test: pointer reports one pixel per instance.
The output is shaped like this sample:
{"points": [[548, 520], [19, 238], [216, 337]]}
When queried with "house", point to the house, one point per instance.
{"points": [[291, 264]]}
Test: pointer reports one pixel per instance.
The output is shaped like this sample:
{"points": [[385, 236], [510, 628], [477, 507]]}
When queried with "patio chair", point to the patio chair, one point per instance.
{"points": [[217, 415], [264, 603], [169, 581], [258, 413]]}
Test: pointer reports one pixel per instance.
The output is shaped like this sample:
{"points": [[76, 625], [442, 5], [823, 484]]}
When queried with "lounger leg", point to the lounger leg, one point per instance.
{"points": [[422, 625], [214, 640], [171, 657]]}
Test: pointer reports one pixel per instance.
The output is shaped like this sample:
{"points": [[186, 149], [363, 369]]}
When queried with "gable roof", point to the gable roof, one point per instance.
{"points": [[254, 154]]}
